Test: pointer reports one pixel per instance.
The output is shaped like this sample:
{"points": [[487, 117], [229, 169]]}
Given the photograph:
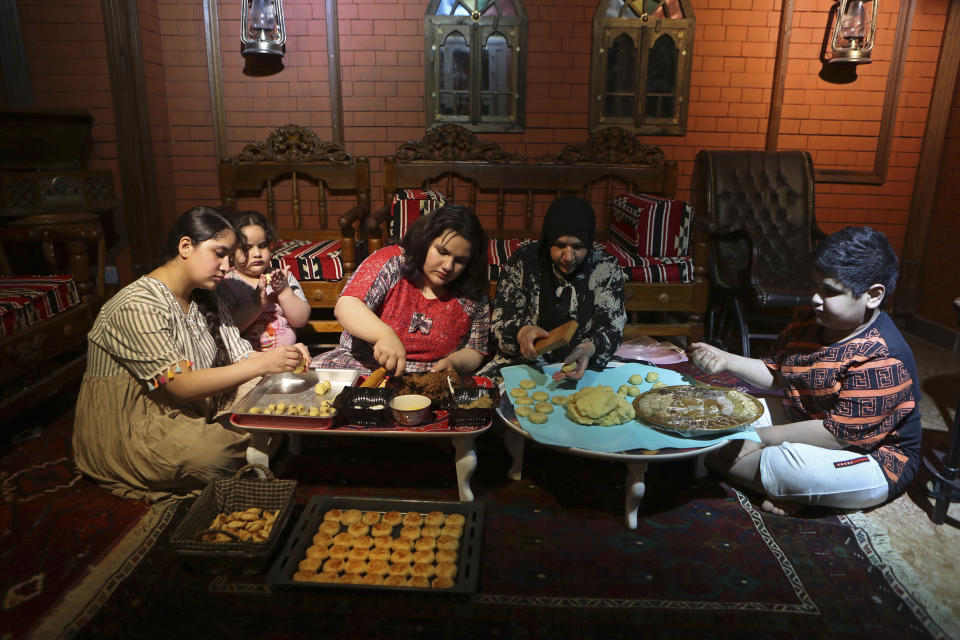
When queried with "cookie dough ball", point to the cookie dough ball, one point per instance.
{"points": [[523, 412], [622, 390], [543, 407], [540, 396], [636, 379], [658, 384], [527, 383], [653, 376], [537, 417], [567, 368], [633, 391], [517, 392], [523, 401], [559, 400]]}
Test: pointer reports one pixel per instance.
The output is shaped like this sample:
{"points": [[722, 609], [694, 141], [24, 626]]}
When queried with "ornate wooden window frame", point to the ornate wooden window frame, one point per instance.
{"points": [[476, 29], [644, 32]]}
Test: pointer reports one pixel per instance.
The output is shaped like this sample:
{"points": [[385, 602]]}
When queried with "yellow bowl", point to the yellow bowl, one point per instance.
{"points": [[410, 410]]}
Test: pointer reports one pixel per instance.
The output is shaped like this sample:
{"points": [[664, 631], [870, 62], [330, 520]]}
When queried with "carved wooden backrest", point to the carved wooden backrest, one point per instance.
{"points": [[504, 188], [285, 170]]}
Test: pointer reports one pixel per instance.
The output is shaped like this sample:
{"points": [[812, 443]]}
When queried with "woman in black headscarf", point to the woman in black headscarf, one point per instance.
{"points": [[562, 277]]}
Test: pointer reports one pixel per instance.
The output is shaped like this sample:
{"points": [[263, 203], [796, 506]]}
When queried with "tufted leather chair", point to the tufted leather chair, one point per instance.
{"points": [[758, 208]]}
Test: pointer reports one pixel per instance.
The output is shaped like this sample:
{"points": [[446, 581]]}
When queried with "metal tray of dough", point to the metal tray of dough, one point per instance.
{"points": [[293, 388], [301, 537]]}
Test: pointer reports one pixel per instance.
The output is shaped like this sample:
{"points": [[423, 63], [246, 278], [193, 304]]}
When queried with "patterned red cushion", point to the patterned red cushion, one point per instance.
{"points": [[410, 204], [650, 226], [498, 252], [649, 269], [312, 260], [26, 300]]}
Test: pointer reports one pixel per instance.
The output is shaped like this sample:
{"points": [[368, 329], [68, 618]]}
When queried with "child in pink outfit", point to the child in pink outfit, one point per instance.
{"points": [[266, 305]]}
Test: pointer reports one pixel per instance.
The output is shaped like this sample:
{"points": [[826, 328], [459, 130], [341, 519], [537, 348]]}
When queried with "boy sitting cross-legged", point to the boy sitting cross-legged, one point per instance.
{"points": [[850, 389]]}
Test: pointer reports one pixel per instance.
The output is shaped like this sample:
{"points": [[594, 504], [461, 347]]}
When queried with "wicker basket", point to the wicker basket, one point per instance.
{"points": [[224, 496]]}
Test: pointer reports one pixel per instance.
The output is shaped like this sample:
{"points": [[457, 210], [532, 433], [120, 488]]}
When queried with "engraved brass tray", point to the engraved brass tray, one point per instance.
{"points": [[696, 411]]}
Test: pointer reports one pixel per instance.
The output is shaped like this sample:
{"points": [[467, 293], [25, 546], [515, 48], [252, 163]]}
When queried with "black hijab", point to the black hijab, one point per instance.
{"points": [[565, 297]]}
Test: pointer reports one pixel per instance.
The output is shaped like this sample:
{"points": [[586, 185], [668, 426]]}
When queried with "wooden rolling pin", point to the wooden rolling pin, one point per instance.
{"points": [[556, 338], [375, 378]]}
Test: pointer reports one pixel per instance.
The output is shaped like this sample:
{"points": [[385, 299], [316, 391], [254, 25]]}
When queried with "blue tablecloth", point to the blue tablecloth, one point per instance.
{"points": [[559, 430]]}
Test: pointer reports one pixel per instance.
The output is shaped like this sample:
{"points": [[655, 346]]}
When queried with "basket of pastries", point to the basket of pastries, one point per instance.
{"points": [[236, 523]]}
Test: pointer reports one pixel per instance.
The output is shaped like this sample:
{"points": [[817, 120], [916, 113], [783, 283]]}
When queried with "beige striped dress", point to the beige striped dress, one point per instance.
{"points": [[130, 434]]}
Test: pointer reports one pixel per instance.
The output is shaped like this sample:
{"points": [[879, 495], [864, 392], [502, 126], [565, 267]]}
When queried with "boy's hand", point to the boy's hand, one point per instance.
{"points": [[708, 358]]}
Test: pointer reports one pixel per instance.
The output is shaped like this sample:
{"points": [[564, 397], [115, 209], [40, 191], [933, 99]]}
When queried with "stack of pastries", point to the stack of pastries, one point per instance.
{"points": [[391, 549]]}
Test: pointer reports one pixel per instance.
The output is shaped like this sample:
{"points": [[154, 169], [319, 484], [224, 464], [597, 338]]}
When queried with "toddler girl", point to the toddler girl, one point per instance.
{"points": [[266, 304]]}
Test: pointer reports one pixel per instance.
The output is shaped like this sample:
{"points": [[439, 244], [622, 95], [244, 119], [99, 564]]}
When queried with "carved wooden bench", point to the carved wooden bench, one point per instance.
{"points": [[510, 193], [301, 184]]}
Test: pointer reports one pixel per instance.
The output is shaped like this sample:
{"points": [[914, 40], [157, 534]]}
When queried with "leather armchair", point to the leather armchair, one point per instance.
{"points": [[758, 209]]}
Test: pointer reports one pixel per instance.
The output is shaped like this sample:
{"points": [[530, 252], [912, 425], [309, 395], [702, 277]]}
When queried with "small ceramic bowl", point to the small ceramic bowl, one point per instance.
{"points": [[410, 410]]}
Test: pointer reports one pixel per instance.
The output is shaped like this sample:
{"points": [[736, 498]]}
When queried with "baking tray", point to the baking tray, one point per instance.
{"points": [[468, 557], [294, 388]]}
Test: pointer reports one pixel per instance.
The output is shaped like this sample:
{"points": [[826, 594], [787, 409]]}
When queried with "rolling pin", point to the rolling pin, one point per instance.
{"points": [[375, 378], [556, 338]]}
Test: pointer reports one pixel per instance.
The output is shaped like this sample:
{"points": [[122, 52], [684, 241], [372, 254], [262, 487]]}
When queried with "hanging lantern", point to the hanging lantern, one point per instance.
{"points": [[263, 30], [853, 31]]}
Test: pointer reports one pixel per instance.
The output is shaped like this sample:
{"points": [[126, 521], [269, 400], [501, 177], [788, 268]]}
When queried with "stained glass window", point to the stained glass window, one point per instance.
{"points": [[476, 63]]}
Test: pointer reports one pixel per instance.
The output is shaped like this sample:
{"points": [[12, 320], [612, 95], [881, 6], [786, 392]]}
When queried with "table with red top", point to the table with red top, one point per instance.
{"points": [[438, 426]]}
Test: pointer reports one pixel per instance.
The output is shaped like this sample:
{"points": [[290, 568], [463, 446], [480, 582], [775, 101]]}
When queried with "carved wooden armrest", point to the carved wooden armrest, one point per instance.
{"points": [[354, 216]]}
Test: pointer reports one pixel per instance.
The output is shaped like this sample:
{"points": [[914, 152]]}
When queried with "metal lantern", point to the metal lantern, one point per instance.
{"points": [[853, 31], [263, 30]]}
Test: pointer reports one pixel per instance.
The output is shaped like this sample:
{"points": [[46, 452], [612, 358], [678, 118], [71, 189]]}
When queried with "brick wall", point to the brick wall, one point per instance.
{"points": [[382, 56]]}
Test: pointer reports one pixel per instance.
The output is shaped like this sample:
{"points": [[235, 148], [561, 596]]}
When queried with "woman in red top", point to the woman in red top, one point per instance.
{"points": [[421, 305]]}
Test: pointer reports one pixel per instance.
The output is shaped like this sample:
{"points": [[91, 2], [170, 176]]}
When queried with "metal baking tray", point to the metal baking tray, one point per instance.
{"points": [[468, 555], [294, 388]]}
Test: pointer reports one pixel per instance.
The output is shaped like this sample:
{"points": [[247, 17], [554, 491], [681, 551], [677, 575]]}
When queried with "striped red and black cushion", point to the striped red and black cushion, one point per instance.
{"points": [[316, 260], [649, 226], [647, 269], [26, 300]]}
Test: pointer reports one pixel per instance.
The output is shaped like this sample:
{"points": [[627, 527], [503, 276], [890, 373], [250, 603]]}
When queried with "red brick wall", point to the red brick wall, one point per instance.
{"points": [[67, 61], [382, 57], [941, 268]]}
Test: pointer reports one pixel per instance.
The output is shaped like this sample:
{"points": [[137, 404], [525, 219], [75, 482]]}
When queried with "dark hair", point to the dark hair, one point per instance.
{"points": [[474, 281], [241, 219], [858, 257], [200, 224]]}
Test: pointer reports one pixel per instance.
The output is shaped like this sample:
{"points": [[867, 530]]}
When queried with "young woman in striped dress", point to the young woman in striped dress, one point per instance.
{"points": [[164, 360]]}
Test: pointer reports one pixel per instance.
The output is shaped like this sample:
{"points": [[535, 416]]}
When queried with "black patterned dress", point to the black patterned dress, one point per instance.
{"points": [[518, 304]]}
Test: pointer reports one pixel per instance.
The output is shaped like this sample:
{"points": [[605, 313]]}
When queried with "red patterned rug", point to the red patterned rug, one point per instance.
{"points": [[556, 562], [556, 558], [54, 523]]}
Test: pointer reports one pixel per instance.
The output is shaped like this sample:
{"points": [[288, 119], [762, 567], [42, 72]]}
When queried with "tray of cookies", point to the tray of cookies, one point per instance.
{"points": [[294, 400], [373, 543]]}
